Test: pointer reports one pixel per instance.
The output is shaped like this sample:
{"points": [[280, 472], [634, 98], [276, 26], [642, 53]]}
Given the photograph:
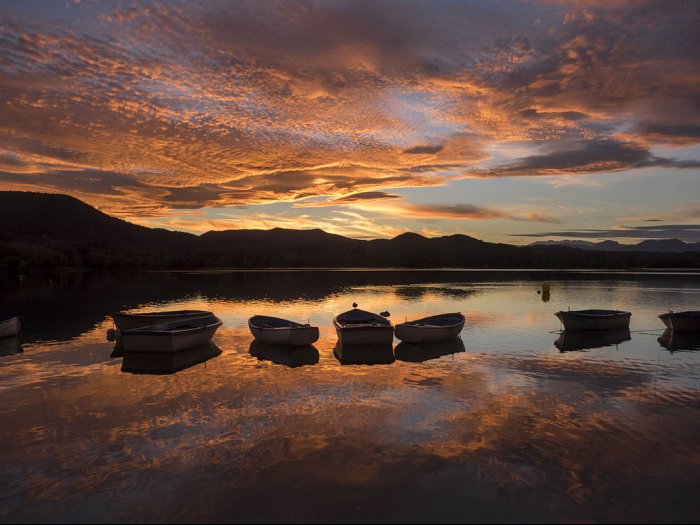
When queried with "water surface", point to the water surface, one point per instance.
{"points": [[512, 423]]}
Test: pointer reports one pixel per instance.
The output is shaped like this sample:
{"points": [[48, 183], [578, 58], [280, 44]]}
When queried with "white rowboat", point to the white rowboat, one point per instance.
{"points": [[594, 320], [431, 329], [10, 327], [276, 331], [127, 321], [171, 337], [357, 327]]}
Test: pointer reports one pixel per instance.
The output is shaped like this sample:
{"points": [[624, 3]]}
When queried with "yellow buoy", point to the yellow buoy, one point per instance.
{"points": [[545, 287]]}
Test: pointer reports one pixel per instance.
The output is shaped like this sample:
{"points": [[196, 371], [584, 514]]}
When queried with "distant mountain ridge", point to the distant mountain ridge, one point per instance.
{"points": [[49, 231], [652, 245]]}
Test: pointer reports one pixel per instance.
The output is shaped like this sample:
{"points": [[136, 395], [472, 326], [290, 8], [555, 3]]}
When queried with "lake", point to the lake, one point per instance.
{"points": [[514, 423]]}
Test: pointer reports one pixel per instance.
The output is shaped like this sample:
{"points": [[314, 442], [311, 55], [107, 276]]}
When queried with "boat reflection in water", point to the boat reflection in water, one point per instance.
{"points": [[572, 341], [10, 346], [364, 354], [679, 341], [291, 356], [168, 363], [419, 352]]}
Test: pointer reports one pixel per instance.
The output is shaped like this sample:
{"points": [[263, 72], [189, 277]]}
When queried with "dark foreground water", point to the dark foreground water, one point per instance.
{"points": [[513, 423]]}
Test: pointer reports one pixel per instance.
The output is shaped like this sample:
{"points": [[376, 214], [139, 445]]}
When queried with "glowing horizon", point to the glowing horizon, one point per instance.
{"points": [[506, 121]]}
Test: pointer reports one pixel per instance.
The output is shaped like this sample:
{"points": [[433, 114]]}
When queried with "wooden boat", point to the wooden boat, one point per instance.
{"points": [[276, 331], [357, 327], [682, 321], [680, 341], [573, 341], [594, 320], [420, 352], [130, 321], [372, 354], [10, 327], [171, 337], [168, 363], [291, 357], [430, 329]]}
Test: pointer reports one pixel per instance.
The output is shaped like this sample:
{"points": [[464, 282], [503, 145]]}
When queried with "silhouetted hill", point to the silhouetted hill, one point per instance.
{"points": [[658, 246], [48, 231]]}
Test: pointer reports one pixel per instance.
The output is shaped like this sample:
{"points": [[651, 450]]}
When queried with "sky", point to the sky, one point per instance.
{"points": [[507, 121]]}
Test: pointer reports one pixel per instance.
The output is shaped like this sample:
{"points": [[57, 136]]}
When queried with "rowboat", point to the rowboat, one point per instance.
{"points": [[682, 321], [573, 341], [594, 320], [357, 327], [680, 341], [276, 331], [373, 354], [291, 357], [130, 321], [168, 363], [10, 327], [420, 352], [430, 329], [171, 337]]}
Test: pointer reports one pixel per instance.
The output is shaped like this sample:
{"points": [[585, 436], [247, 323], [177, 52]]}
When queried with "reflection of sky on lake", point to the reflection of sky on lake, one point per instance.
{"points": [[509, 429]]}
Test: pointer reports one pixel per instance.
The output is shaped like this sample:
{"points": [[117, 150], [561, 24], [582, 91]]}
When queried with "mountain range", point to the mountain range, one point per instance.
{"points": [[652, 245], [50, 231]]}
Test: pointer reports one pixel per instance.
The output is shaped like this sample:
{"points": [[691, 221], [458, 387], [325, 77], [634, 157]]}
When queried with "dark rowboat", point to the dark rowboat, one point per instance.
{"points": [[276, 331], [171, 337], [682, 321], [594, 320], [358, 327], [431, 329]]}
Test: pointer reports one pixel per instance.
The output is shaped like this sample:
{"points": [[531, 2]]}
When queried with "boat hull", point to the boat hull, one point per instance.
{"points": [[588, 322], [682, 321], [167, 338], [10, 327], [412, 333], [126, 321], [372, 335], [286, 336], [357, 327]]}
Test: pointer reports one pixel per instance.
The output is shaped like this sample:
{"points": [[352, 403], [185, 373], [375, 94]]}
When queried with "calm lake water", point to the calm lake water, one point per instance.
{"points": [[512, 423]]}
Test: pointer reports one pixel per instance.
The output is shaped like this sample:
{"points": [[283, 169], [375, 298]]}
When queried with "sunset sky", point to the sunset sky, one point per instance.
{"points": [[508, 121]]}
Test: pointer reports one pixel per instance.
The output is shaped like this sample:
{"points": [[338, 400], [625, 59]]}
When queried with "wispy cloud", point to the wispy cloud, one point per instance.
{"points": [[145, 107]]}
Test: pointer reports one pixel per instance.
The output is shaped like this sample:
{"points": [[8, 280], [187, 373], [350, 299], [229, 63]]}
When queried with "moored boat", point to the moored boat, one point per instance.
{"points": [[430, 329], [171, 337], [130, 321], [682, 321], [358, 327], [276, 331], [10, 327], [594, 320]]}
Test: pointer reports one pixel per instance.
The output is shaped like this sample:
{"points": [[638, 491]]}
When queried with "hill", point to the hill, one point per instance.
{"points": [[653, 245], [50, 231]]}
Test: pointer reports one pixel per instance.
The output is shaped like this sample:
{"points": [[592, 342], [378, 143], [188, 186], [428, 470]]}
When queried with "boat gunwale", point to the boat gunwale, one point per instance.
{"points": [[293, 326], [148, 330]]}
